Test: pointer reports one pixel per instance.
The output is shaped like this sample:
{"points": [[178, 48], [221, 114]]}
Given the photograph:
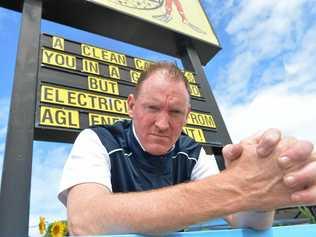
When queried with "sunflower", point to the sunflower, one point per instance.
{"points": [[42, 225], [57, 229]]}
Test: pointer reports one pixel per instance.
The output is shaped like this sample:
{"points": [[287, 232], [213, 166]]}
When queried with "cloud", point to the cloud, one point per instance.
{"points": [[300, 65], [269, 77], [293, 114], [218, 11], [263, 35]]}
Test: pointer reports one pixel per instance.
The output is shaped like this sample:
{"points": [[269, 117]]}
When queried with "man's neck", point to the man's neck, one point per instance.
{"points": [[135, 135]]}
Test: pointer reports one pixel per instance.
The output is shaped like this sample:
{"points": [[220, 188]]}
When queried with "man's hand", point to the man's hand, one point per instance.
{"points": [[260, 180], [300, 162], [267, 142], [296, 160]]}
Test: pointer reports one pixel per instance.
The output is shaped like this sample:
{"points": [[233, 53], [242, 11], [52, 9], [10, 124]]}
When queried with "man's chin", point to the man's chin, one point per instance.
{"points": [[158, 150], [157, 145]]}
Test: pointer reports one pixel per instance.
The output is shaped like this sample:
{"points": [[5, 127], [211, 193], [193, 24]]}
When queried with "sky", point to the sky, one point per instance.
{"points": [[264, 76]]}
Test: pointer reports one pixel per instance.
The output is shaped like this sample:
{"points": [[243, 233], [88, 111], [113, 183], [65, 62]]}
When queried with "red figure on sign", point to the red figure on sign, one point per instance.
{"points": [[167, 16], [168, 8]]}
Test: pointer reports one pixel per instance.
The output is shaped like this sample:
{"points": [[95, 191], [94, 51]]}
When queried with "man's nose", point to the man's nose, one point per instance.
{"points": [[162, 121]]}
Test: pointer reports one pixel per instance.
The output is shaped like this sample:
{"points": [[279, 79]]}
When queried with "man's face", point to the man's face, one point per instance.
{"points": [[159, 112]]}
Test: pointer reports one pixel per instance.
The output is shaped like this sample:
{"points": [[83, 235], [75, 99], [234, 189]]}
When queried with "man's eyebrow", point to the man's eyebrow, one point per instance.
{"points": [[152, 101], [151, 98], [177, 108]]}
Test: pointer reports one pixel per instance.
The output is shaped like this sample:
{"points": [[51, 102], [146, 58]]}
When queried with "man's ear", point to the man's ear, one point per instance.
{"points": [[189, 110], [131, 104]]}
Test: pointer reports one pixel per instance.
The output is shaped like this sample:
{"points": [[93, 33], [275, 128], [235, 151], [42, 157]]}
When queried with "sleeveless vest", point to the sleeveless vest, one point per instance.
{"points": [[133, 169]]}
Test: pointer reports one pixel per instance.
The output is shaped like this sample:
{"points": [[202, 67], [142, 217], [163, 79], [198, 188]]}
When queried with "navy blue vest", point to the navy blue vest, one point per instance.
{"points": [[133, 169]]}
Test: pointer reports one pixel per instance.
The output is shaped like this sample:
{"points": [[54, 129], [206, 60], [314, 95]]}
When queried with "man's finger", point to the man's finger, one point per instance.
{"points": [[268, 142], [307, 196], [231, 152], [299, 152], [303, 177], [253, 139]]}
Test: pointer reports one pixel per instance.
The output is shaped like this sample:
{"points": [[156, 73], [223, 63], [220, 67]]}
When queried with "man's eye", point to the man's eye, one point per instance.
{"points": [[176, 112], [152, 108]]}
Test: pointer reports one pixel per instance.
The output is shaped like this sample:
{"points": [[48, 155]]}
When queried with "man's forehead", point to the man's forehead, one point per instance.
{"points": [[158, 74], [161, 78], [173, 101], [161, 83], [162, 87]]}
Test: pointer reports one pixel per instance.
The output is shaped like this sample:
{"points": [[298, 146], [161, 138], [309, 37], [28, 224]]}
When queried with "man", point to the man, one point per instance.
{"points": [[133, 177]]}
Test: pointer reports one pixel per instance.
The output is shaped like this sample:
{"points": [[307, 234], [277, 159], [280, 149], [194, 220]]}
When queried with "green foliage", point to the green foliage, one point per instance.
{"points": [[307, 214]]}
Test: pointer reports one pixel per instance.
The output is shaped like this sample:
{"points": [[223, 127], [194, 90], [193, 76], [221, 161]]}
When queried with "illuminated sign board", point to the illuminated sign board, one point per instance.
{"points": [[59, 59], [183, 16], [201, 119], [82, 85], [59, 117], [81, 99], [103, 85], [195, 133], [103, 55], [102, 119], [71, 62]]}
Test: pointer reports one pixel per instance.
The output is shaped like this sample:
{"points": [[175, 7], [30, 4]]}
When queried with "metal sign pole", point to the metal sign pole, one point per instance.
{"points": [[191, 61], [17, 166]]}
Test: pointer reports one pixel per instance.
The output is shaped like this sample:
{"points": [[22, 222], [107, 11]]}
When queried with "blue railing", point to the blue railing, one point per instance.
{"points": [[304, 230]]}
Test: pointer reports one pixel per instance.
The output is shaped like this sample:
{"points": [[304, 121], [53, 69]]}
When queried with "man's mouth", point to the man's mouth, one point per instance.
{"points": [[159, 135]]}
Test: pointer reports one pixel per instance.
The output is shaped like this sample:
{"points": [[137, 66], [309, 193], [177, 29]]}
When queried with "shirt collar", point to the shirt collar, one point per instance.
{"points": [[134, 132]]}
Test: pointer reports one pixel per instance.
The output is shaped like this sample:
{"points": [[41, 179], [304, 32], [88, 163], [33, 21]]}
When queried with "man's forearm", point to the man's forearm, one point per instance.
{"points": [[157, 211]]}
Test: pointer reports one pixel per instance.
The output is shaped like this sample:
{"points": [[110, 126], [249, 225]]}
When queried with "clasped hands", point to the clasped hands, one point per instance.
{"points": [[284, 169]]}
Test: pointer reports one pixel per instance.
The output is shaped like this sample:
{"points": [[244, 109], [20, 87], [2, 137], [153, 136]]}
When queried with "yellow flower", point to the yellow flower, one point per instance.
{"points": [[58, 229], [42, 225]]}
